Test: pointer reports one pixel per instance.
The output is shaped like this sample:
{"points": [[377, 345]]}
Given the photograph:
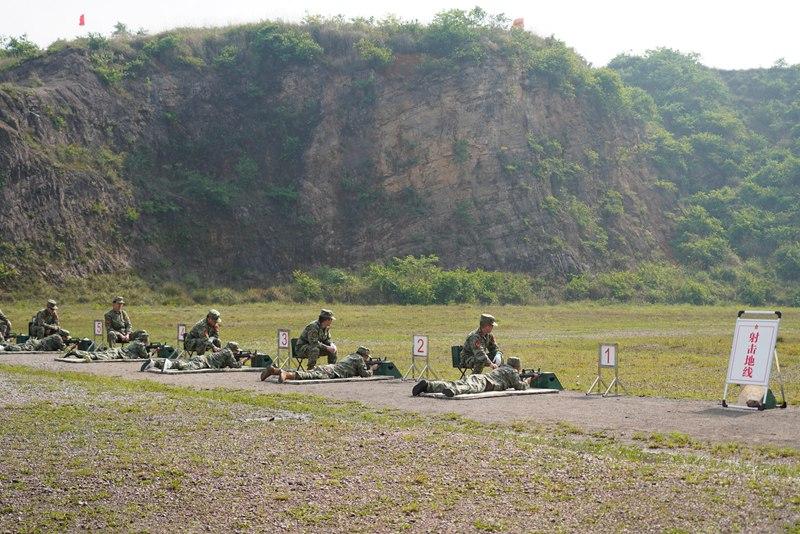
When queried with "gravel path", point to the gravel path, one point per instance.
{"points": [[622, 416]]}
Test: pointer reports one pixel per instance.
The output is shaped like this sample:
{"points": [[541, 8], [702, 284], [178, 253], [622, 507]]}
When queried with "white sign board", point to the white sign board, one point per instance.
{"points": [[98, 327], [608, 355], [420, 347], [181, 332], [283, 339], [752, 351]]}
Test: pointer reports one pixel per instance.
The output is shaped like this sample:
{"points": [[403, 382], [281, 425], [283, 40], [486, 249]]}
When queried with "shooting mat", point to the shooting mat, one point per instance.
{"points": [[337, 380], [81, 360], [226, 370], [490, 394]]}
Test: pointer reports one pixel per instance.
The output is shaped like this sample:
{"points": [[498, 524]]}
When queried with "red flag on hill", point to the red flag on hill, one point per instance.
{"points": [[82, 21]]}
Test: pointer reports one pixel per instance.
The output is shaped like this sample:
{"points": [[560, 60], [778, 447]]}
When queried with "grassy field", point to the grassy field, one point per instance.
{"points": [[666, 351], [84, 452]]}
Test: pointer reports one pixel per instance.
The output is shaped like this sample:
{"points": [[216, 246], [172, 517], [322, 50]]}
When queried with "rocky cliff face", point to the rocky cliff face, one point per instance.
{"points": [[241, 170]]}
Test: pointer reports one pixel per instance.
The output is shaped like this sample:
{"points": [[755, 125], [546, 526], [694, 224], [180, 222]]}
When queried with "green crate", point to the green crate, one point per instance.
{"points": [[547, 381], [261, 360], [388, 368]]}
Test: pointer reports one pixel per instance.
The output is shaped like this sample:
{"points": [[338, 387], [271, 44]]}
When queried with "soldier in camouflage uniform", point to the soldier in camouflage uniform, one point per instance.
{"points": [[45, 322], [506, 376], [480, 349], [316, 340], [5, 327], [118, 324], [52, 342], [226, 357], [354, 365], [204, 335], [135, 350]]}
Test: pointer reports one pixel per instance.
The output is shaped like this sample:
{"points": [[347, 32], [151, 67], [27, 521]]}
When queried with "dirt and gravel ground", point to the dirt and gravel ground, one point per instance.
{"points": [[624, 417], [84, 451]]}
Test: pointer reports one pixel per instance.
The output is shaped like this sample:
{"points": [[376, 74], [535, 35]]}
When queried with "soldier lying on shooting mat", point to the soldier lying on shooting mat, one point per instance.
{"points": [[204, 335], [480, 349], [354, 365], [52, 342], [135, 350], [506, 376], [316, 340], [221, 359], [45, 322], [5, 327], [118, 324]]}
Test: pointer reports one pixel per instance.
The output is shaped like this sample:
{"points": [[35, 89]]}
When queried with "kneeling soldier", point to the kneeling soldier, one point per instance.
{"points": [[135, 350], [226, 357], [316, 340], [480, 349], [52, 342], [354, 365], [204, 335], [506, 376], [118, 324]]}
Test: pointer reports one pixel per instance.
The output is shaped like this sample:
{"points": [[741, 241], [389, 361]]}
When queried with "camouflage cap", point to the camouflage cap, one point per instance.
{"points": [[326, 314], [515, 362], [362, 350], [232, 345], [52, 304], [118, 300], [215, 314], [63, 333], [142, 334], [488, 319]]}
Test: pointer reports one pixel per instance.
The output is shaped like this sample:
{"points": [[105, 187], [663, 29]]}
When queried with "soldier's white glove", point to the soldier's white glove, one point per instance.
{"points": [[332, 348], [498, 358]]}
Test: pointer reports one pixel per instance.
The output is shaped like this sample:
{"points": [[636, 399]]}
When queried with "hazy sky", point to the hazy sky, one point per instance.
{"points": [[727, 34]]}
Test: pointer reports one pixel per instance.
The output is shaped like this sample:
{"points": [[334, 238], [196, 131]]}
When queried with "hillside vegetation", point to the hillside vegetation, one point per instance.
{"points": [[368, 160]]}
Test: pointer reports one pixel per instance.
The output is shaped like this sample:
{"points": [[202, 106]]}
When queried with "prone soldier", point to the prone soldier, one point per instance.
{"points": [[135, 350], [480, 348], [118, 324], [225, 357], [204, 335], [316, 338], [505, 376], [354, 365], [52, 342], [45, 322]]}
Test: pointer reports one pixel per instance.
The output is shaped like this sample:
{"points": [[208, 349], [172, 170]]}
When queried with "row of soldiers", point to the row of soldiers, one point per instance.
{"points": [[480, 350]]}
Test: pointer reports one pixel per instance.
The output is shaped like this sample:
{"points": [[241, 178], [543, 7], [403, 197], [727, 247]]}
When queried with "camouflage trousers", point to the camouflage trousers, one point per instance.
{"points": [[27, 346], [471, 384], [112, 337], [40, 332], [192, 364], [109, 354], [470, 362], [313, 353], [317, 373], [201, 345]]}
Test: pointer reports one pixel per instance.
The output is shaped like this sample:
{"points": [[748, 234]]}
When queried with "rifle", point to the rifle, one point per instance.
{"points": [[530, 373]]}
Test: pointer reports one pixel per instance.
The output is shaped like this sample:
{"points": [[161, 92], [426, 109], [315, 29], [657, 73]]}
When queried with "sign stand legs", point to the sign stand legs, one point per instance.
{"points": [[607, 357], [419, 349]]}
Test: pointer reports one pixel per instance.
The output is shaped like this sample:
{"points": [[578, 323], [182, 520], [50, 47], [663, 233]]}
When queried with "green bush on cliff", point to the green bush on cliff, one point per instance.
{"points": [[286, 44]]}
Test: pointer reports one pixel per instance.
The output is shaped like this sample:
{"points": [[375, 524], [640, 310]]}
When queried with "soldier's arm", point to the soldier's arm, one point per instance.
{"points": [[128, 325], [107, 321], [363, 372], [480, 351], [492, 347], [519, 383], [313, 338]]}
